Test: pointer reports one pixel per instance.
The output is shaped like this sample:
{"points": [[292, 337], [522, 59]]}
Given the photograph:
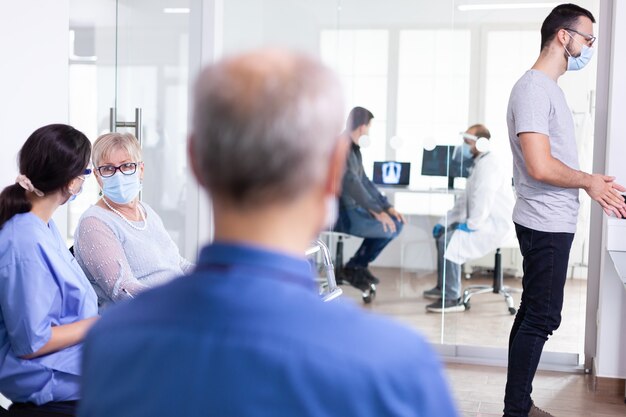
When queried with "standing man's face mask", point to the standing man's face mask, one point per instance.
{"points": [[574, 63]]}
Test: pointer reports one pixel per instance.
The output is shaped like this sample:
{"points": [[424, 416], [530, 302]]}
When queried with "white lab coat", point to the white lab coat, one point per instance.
{"points": [[487, 208]]}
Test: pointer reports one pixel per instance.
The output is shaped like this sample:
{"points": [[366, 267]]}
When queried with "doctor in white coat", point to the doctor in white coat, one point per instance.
{"points": [[479, 222]]}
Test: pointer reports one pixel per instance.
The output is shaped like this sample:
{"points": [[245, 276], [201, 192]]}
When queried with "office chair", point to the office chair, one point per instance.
{"points": [[497, 287]]}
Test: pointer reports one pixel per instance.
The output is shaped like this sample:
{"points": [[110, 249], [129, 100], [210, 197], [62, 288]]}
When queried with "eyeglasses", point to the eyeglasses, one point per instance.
{"points": [[128, 168], [589, 38]]}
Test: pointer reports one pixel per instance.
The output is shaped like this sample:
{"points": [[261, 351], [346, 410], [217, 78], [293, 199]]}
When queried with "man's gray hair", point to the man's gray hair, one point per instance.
{"points": [[265, 124]]}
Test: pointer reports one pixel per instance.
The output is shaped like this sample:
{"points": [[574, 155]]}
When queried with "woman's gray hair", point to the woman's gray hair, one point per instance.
{"points": [[108, 142], [265, 125]]}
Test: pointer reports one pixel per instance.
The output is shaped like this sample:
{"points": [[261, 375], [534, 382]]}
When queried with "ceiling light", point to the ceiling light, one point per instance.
{"points": [[176, 10], [505, 6]]}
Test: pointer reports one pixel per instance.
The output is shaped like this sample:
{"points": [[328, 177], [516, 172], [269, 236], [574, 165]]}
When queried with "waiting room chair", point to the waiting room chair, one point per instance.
{"points": [[338, 238], [330, 289]]}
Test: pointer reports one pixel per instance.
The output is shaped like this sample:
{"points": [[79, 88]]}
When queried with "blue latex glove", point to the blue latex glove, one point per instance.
{"points": [[437, 230], [463, 227]]}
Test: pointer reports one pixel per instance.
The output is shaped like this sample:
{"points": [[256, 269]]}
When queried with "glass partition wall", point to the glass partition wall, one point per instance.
{"points": [[426, 70]]}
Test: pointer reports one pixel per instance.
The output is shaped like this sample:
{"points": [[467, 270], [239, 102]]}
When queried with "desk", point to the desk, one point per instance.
{"points": [[423, 207], [414, 249], [422, 201], [616, 246]]}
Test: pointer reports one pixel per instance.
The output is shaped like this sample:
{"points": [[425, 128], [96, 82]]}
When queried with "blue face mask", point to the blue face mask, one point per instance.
{"points": [[574, 63], [73, 196], [466, 151], [120, 188]]}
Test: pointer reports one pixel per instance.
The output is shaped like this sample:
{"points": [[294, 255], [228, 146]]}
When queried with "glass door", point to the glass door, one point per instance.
{"points": [[427, 70], [152, 83], [130, 71]]}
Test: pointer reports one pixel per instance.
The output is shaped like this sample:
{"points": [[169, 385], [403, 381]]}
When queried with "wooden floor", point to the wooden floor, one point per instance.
{"points": [[479, 390]]}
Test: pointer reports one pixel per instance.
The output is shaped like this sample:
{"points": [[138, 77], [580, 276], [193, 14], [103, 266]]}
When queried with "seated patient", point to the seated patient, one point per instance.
{"points": [[46, 302], [363, 210], [479, 222], [246, 334], [120, 242]]}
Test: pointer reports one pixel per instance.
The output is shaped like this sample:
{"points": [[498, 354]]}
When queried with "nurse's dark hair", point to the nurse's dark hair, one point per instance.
{"points": [[51, 157], [561, 17]]}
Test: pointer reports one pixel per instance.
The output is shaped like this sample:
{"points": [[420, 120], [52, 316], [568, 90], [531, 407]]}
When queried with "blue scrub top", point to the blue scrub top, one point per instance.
{"points": [[41, 285]]}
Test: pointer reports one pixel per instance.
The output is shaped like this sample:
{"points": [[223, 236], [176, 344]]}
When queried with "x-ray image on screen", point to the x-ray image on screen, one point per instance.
{"points": [[392, 173]]}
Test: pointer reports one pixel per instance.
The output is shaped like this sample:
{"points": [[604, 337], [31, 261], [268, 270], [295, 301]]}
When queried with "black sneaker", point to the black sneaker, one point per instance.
{"points": [[361, 272], [354, 277], [370, 277], [448, 306], [433, 294]]}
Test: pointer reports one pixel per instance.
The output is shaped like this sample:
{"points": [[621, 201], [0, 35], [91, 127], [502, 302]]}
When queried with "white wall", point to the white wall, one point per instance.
{"points": [[610, 358], [33, 76]]}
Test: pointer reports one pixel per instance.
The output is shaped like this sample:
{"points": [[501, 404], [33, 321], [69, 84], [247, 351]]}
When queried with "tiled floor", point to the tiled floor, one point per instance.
{"points": [[487, 323], [479, 390]]}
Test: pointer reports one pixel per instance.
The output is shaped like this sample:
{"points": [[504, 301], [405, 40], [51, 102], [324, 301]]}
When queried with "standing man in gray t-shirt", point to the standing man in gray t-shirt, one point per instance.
{"points": [[547, 179]]}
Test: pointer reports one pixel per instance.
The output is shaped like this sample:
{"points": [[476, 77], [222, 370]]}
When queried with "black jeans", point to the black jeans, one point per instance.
{"points": [[545, 270]]}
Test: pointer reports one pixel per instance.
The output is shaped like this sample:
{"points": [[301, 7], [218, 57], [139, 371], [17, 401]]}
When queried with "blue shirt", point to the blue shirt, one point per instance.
{"points": [[41, 285], [247, 335]]}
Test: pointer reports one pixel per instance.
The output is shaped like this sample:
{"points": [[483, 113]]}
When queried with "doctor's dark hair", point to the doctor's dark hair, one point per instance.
{"points": [[358, 116], [51, 157], [562, 16]]}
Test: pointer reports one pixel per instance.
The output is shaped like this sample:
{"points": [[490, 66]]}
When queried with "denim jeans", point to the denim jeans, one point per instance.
{"points": [[545, 270], [448, 272], [359, 222]]}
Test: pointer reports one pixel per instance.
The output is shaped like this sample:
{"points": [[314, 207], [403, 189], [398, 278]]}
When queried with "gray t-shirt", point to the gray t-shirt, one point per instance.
{"points": [[537, 104]]}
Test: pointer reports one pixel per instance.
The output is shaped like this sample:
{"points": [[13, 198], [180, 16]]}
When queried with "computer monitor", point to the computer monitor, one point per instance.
{"points": [[392, 173], [444, 162]]}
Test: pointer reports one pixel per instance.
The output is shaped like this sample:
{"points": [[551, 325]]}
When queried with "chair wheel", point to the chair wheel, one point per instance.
{"points": [[467, 306], [512, 311]]}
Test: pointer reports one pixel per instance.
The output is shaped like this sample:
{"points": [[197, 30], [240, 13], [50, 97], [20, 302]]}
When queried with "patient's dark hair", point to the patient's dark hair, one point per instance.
{"points": [[358, 116], [51, 157], [561, 17]]}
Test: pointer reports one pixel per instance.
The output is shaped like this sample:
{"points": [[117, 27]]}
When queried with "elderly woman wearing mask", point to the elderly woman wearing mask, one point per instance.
{"points": [[121, 243]]}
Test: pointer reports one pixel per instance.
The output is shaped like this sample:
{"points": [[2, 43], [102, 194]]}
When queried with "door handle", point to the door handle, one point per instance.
{"points": [[114, 123]]}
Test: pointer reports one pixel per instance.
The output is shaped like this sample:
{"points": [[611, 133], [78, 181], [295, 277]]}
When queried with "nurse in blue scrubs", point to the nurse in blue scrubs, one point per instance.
{"points": [[46, 303]]}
